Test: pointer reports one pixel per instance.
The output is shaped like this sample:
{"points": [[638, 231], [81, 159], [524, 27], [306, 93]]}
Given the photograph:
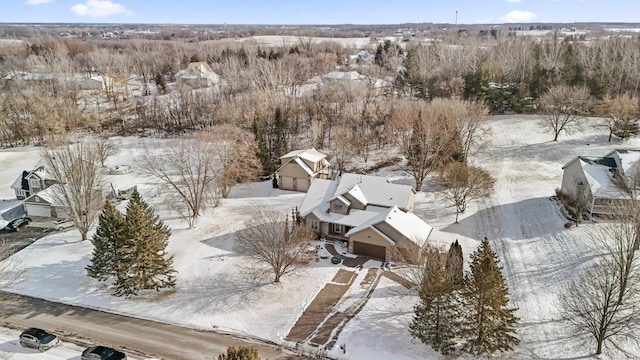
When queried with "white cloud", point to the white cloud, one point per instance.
{"points": [[516, 16], [37, 2], [99, 8], [513, 1]]}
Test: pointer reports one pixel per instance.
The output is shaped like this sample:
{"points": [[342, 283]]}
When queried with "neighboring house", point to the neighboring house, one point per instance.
{"points": [[32, 182], [615, 176], [99, 82], [361, 56], [197, 74], [300, 167], [43, 204], [369, 212]]}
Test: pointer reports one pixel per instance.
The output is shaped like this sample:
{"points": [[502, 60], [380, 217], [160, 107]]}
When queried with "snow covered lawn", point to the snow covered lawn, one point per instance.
{"points": [[524, 225]]}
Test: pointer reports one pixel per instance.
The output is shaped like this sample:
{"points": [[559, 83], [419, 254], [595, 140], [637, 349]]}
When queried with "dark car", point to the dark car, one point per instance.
{"points": [[38, 339], [102, 353], [17, 224]]}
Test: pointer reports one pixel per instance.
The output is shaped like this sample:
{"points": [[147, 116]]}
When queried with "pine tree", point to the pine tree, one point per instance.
{"points": [[454, 264], [279, 135], [488, 324], [106, 243], [144, 251], [263, 152], [436, 318]]}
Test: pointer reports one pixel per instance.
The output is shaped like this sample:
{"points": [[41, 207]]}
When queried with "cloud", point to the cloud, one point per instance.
{"points": [[517, 16], [37, 2], [513, 1], [99, 8]]}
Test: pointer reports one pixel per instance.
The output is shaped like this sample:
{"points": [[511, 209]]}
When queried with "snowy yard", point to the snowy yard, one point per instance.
{"points": [[524, 225]]}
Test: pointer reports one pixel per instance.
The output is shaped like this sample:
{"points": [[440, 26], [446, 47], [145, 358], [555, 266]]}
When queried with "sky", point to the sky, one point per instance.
{"points": [[318, 11]]}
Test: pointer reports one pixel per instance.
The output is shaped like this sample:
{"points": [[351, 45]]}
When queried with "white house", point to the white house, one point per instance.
{"points": [[197, 74], [369, 212], [614, 176]]}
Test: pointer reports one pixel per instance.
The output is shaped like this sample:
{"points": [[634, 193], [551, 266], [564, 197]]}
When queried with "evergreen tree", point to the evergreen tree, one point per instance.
{"points": [[106, 243], [144, 251], [436, 320], [488, 324], [263, 152], [454, 264], [279, 136], [161, 84]]}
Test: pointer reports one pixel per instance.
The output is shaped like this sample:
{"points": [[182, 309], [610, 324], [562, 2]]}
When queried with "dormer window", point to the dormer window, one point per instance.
{"points": [[337, 207]]}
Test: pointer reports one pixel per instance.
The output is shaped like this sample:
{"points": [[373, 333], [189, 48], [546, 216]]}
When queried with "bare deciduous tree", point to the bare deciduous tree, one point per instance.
{"points": [[425, 135], [271, 240], [590, 304], [621, 113], [237, 161], [80, 184], [564, 108], [187, 168], [465, 183], [104, 149]]}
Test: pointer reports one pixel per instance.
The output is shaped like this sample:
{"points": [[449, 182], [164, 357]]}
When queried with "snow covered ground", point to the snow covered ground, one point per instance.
{"points": [[524, 225]]}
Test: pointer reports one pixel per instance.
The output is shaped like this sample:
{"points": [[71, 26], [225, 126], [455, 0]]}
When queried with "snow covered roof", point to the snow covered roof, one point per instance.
{"points": [[311, 154], [407, 224], [375, 190], [342, 75], [627, 160], [47, 194]]}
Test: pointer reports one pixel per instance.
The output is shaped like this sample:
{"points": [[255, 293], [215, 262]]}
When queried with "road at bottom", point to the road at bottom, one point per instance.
{"points": [[140, 337]]}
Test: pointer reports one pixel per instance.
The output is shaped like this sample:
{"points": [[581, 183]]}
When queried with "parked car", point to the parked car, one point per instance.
{"points": [[102, 353], [17, 224], [38, 339], [62, 224]]}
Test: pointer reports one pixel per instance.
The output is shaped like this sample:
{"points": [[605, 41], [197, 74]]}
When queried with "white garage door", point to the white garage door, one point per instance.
{"points": [[37, 210], [286, 182]]}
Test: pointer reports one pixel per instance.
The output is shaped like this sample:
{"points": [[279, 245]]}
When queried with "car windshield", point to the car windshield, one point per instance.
{"points": [[104, 351]]}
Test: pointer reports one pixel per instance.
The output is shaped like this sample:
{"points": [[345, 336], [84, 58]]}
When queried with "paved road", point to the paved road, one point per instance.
{"points": [[143, 338]]}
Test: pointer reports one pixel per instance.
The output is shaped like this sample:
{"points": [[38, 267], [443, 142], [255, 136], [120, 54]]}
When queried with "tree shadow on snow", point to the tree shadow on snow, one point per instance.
{"points": [[527, 219]]}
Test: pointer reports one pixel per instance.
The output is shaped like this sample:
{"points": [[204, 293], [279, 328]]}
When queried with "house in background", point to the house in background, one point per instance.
{"points": [[369, 212], [197, 74], [601, 180], [32, 182], [44, 204], [98, 82], [299, 168]]}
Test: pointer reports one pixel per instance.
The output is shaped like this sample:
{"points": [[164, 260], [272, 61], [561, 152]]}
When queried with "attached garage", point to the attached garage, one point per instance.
{"points": [[301, 184], [286, 183], [37, 210], [374, 251]]}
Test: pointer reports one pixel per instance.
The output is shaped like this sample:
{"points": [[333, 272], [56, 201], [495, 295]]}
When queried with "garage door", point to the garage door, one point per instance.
{"points": [[286, 182], [373, 251], [302, 184], [37, 210]]}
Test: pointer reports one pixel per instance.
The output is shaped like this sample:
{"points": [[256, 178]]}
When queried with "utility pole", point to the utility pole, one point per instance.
{"points": [[456, 17]]}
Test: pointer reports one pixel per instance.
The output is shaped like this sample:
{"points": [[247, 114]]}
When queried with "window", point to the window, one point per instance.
{"points": [[336, 228], [337, 207], [313, 224]]}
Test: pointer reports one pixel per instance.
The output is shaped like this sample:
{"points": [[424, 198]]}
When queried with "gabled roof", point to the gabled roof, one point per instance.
{"points": [[46, 195], [407, 224], [627, 160], [343, 75], [38, 171], [311, 154], [375, 190]]}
